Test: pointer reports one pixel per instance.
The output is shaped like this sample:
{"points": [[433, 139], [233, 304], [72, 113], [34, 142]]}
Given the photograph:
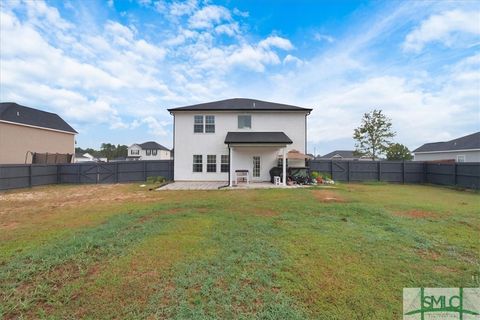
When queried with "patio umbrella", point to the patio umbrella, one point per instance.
{"points": [[297, 155]]}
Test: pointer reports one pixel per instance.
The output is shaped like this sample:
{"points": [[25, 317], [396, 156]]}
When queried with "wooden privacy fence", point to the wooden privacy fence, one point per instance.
{"points": [[464, 174], [29, 175]]}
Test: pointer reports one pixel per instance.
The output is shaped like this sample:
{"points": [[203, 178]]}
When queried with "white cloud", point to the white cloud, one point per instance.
{"points": [[277, 42], [323, 37], [289, 59], [445, 28], [209, 16]]}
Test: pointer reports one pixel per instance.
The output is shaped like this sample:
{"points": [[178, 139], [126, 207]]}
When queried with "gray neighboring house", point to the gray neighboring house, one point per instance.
{"points": [[342, 155], [463, 149]]}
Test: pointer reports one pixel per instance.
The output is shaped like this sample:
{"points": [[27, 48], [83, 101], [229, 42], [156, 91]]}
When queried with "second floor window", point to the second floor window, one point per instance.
{"points": [[154, 152], [244, 122], [148, 152], [135, 152], [198, 124], [209, 124]]}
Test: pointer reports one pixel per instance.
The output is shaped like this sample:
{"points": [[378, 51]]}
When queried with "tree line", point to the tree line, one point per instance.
{"points": [[107, 150]]}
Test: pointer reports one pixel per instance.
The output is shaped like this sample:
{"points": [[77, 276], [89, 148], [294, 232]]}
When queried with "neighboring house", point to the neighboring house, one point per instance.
{"points": [[464, 149], [343, 155], [24, 130], [213, 140], [148, 151], [87, 157]]}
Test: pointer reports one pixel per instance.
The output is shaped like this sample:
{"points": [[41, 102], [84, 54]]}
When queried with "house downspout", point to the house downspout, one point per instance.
{"points": [[228, 184]]}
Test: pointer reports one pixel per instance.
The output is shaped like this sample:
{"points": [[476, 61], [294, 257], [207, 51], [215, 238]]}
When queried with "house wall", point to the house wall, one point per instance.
{"points": [[17, 140], [187, 143], [470, 156]]}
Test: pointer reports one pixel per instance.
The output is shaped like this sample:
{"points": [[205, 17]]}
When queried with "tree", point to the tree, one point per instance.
{"points": [[398, 151], [374, 134]]}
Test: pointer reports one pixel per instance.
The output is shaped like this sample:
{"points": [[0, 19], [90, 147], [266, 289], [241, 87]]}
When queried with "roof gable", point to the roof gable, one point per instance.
{"points": [[15, 113], [152, 145], [471, 141], [340, 153], [240, 104]]}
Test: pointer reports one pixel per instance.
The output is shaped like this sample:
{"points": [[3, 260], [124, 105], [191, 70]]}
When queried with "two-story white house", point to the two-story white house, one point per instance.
{"points": [[148, 151], [215, 140]]}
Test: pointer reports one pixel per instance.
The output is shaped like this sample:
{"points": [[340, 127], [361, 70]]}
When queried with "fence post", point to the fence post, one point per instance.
{"points": [[331, 169], [116, 172], [403, 172], [78, 172], [145, 170], [30, 175], [348, 171], [58, 173], [455, 174], [379, 169]]}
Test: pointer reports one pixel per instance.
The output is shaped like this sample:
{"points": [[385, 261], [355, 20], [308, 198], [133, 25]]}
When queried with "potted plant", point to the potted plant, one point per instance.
{"points": [[316, 176]]}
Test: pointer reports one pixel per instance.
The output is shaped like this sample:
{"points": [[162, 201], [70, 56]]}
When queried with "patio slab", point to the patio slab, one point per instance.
{"points": [[193, 185]]}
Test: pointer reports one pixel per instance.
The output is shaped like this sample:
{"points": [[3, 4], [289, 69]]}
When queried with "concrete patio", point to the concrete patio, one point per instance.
{"points": [[215, 185]]}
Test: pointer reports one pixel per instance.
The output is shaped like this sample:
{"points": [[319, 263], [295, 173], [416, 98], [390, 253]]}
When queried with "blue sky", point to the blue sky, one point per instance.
{"points": [[112, 68]]}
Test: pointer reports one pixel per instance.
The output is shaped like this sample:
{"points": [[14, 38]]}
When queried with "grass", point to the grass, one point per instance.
{"points": [[121, 251]]}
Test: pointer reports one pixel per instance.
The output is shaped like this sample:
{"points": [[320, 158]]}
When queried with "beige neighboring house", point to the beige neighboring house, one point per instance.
{"points": [[24, 130]]}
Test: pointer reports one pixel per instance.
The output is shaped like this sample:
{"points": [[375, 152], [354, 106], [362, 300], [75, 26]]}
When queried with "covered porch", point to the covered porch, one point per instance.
{"points": [[253, 154]]}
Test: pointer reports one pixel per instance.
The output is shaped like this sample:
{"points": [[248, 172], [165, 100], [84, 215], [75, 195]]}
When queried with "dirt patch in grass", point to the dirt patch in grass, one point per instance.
{"points": [[428, 254], [265, 212], [9, 226], [418, 214], [327, 196]]}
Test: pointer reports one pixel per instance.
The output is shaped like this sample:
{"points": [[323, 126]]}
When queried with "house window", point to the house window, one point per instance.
{"points": [[134, 152], [280, 162], [211, 163], [148, 152], [225, 164], [154, 152], [209, 124], [197, 163], [244, 122], [198, 124], [461, 158]]}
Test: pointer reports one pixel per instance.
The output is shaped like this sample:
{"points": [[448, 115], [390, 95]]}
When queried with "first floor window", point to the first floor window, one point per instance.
{"points": [[198, 124], [256, 166], [280, 162], [197, 163], [211, 163], [149, 152], [210, 124], [225, 165]]}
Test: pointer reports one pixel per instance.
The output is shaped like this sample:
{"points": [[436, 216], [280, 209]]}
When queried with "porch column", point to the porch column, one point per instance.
{"points": [[231, 167], [284, 167]]}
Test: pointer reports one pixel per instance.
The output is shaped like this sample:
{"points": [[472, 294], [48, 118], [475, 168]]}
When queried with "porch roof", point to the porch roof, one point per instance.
{"points": [[257, 137]]}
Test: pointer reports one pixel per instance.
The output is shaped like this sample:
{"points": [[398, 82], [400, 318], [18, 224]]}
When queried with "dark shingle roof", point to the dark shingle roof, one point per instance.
{"points": [[12, 112], [471, 141], [257, 137], [342, 153], [153, 145], [240, 104]]}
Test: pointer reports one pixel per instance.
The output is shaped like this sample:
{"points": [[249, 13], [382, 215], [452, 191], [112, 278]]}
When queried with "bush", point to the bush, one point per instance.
{"points": [[158, 179], [315, 174], [325, 175]]}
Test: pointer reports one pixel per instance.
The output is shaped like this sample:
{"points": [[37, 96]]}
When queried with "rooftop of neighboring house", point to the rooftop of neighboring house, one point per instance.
{"points": [[18, 114], [471, 141], [240, 104], [341, 153], [151, 145]]}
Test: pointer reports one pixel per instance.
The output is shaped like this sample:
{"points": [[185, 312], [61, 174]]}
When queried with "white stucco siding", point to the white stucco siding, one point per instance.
{"points": [[470, 156], [187, 143], [142, 154]]}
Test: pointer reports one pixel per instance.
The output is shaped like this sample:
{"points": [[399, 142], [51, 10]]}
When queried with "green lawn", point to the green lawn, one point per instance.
{"points": [[120, 251]]}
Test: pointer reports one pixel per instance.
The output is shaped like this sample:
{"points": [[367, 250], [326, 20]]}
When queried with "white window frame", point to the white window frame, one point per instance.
{"points": [[134, 152], [211, 164], [209, 125], [154, 152], [238, 121], [195, 123], [196, 162], [148, 152], [225, 163], [460, 156]]}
